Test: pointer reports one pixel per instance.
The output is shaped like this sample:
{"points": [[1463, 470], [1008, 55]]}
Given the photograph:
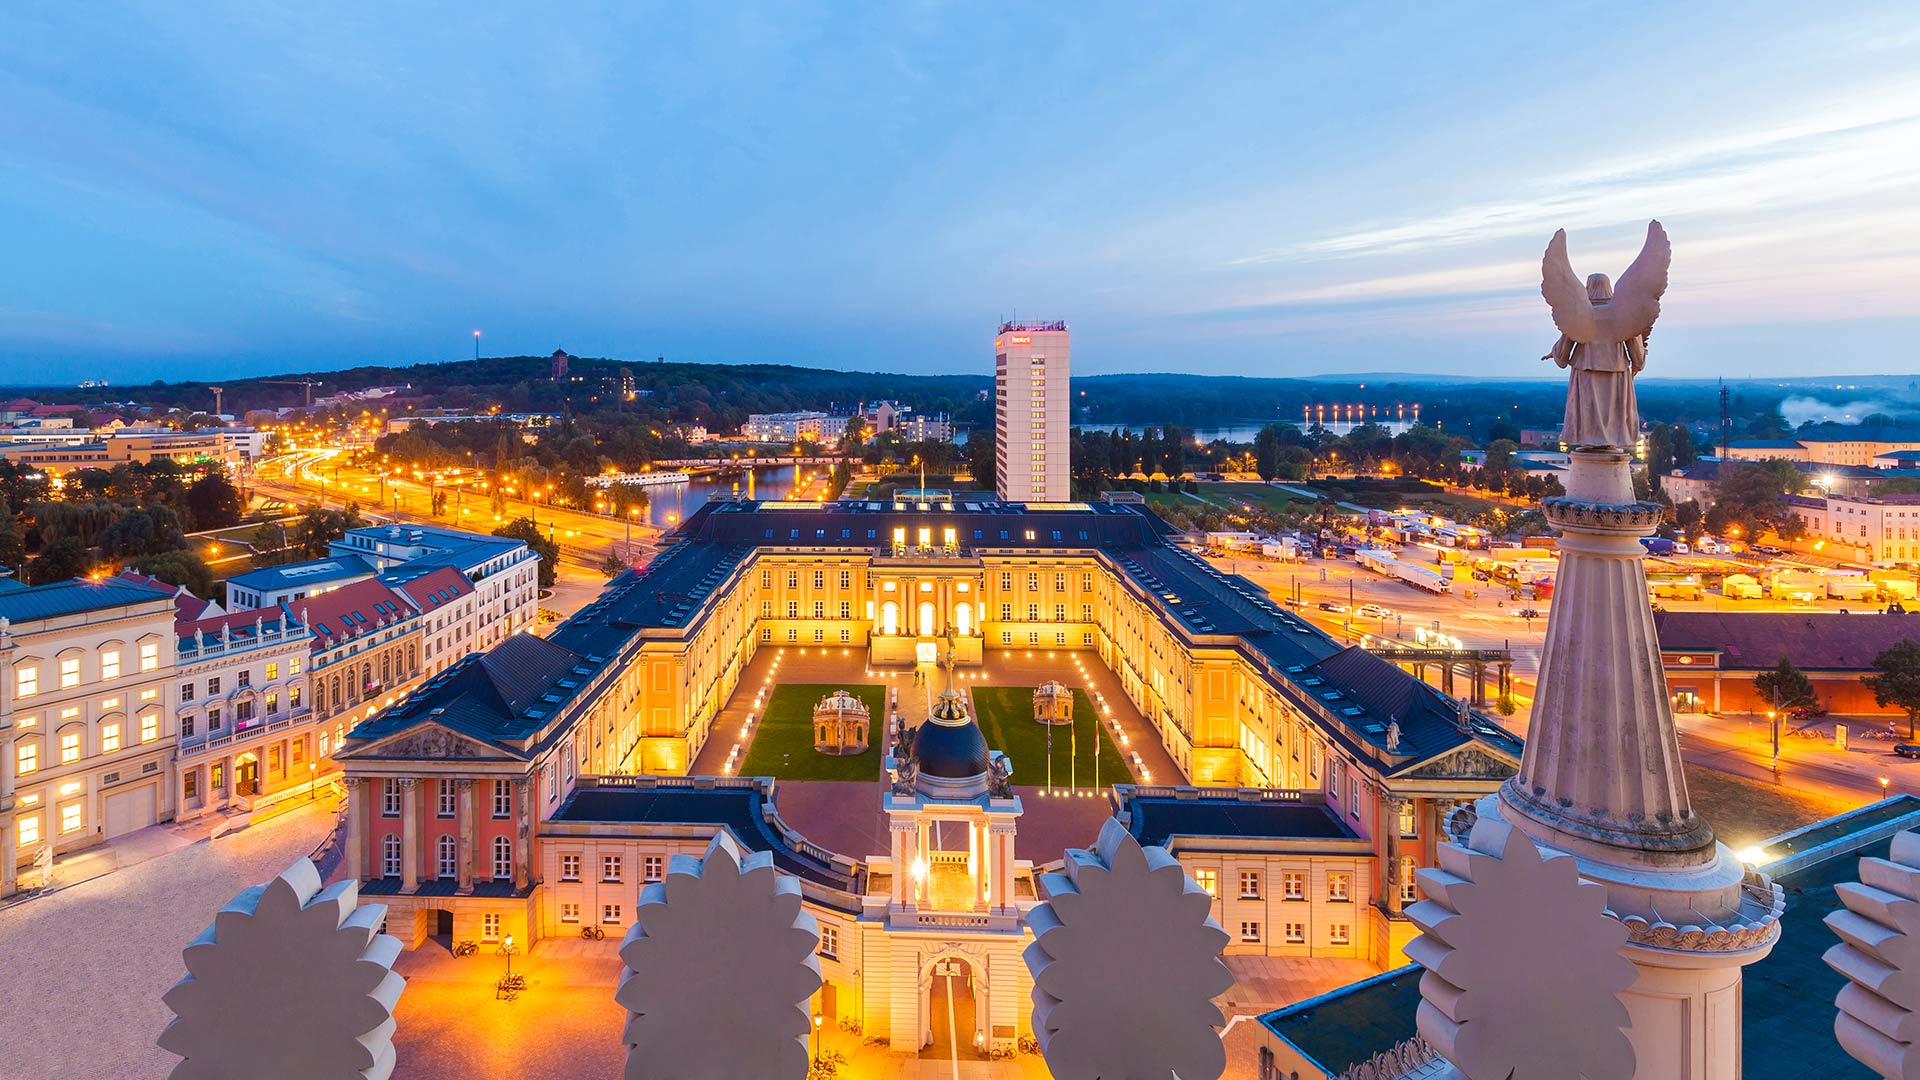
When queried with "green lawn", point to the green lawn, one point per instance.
{"points": [[783, 740], [1006, 718], [1235, 492]]}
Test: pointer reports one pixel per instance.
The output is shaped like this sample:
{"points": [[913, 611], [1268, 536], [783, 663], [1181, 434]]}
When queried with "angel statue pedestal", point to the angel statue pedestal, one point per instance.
{"points": [[1600, 782]]}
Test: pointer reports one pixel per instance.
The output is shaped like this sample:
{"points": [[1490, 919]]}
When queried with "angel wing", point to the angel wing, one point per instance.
{"points": [[1636, 299]]}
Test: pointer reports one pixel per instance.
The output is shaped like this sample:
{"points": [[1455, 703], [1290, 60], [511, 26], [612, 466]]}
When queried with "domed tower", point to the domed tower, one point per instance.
{"points": [[951, 817], [950, 756]]}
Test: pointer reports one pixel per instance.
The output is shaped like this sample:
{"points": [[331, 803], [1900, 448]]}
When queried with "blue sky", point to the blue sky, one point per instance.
{"points": [[227, 188]]}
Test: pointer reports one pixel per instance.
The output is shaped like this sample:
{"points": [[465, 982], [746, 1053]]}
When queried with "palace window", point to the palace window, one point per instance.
{"points": [[653, 867], [1006, 577], [69, 747], [273, 672], [819, 579], [1033, 580], [243, 679], [27, 830], [273, 704], [26, 756], [846, 579], [1408, 825], [1059, 580], [610, 868], [72, 817], [149, 726], [819, 609], [1296, 933], [242, 711], [569, 868], [793, 579], [390, 855], [1339, 934], [389, 798], [1209, 882], [213, 685], [1249, 884], [26, 681], [1293, 885], [502, 799], [110, 663], [447, 800], [1250, 931], [69, 672], [610, 913], [830, 942], [1409, 888], [190, 783], [1338, 888], [149, 656], [109, 738], [570, 913], [490, 927], [502, 858], [449, 856]]}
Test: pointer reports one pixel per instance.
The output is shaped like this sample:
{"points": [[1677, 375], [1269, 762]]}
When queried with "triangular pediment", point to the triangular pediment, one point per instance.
{"points": [[429, 742], [1465, 763]]}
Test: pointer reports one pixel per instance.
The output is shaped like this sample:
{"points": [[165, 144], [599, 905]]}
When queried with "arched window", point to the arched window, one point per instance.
{"points": [[319, 696], [927, 627], [963, 618], [413, 657], [449, 857], [366, 676], [386, 669], [390, 855], [336, 692], [502, 858], [889, 618]]}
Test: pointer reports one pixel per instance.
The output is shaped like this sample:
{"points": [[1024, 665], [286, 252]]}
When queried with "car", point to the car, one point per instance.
{"points": [[1294, 601], [1907, 749], [1333, 606], [1374, 611], [1527, 613]]}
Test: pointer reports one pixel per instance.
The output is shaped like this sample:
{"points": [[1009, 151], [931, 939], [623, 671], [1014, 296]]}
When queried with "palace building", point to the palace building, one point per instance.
{"points": [[536, 788]]}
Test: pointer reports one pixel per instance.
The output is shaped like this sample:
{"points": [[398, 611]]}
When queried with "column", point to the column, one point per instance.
{"points": [[1393, 803], [477, 867], [902, 835], [356, 826], [9, 855], [466, 835], [977, 860], [409, 835], [1006, 867], [522, 833]]}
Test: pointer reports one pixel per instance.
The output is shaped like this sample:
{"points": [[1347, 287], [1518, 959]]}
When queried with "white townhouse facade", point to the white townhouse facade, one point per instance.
{"points": [[246, 723], [86, 673]]}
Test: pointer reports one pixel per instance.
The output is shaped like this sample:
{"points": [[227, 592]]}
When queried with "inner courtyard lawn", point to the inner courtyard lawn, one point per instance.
{"points": [[1006, 719], [783, 739]]}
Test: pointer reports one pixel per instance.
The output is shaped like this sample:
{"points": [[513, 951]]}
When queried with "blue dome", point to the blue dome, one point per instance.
{"points": [[950, 745]]}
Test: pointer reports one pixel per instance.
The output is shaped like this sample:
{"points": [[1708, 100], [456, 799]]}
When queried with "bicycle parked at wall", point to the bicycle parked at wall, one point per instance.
{"points": [[466, 948], [592, 933]]}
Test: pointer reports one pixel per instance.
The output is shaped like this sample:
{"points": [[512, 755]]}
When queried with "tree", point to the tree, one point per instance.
{"points": [[214, 503], [142, 531], [1898, 683], [61, 560], [1751, 497], [980, 458], [13, 546], [182, 567], [1787, 685], [1266, 452], [525, 531], [320, 527], [612, 567]]}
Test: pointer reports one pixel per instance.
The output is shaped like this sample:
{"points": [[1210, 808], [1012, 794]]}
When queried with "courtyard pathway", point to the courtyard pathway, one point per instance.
{"points": [[82, 970]]}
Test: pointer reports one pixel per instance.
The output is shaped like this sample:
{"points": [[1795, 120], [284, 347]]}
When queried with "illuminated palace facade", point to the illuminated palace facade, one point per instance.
{"points": [[537, 787]]}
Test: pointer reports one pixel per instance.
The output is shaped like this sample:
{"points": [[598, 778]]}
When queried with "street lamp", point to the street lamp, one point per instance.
{"points": [[313, 781], [1884, 781], [506, 950], [817, 1018]]}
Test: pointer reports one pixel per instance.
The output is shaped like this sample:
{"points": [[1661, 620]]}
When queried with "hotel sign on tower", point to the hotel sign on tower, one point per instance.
{"points": [[1030, 412]]}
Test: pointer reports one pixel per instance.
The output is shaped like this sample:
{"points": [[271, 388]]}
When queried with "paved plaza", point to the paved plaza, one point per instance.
{"points": [[82, 970]]}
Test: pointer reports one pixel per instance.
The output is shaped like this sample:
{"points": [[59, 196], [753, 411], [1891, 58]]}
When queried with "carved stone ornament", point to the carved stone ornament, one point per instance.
{"points": [[1879, 953], [1118, 912], [1466, 764], [719, 968], [432, 743], [292, 981], [1524, 971]]}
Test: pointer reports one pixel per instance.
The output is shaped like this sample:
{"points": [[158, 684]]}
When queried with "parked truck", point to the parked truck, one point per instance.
{"points": [[1382, 561], [1740, 587]]}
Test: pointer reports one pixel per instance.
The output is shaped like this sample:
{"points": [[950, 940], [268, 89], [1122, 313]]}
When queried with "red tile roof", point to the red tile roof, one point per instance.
{"points": [[437, 589], [1756, 640], [351, 610]]}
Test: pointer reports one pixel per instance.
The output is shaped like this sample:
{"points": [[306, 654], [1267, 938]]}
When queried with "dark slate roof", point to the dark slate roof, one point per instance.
{"points": [[8, 583], [1373, 694], [499, 696], [1156, 820], [73, 597], [1764, 444], [1877, 433], [1752, 640], [738, 809], [1345, 1027]]}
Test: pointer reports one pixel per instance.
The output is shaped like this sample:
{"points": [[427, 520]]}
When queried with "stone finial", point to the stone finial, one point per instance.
{"points": [[739, 923], [199, 637], [1523, 963], [292, 981], [1393, 736], [1879, 953], [1116, 911]]}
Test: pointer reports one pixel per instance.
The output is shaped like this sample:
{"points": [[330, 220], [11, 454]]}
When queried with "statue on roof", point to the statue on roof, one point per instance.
{"points": [[1603, 338], [1000, 777], [1393, 735]]}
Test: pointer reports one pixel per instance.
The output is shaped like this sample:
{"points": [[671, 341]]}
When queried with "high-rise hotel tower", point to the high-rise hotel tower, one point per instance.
{"points": [[1031, 411]]}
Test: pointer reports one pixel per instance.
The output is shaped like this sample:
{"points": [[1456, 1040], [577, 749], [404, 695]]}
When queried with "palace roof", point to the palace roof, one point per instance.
{"points": [[1156, 820], [741, 808], [1355, 696], [59, 598], [503, 696]]}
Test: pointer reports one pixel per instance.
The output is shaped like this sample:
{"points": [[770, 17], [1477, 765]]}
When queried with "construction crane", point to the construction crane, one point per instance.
{"points": [[309, 384]]}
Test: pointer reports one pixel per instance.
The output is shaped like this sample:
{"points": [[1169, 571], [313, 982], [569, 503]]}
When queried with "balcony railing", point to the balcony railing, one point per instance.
{"points": [[237, 735], [269, 634]]}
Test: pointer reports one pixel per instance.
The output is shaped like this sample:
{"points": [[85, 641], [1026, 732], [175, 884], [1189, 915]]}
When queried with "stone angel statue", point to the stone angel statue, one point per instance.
{"points": [[1603, 338]]}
